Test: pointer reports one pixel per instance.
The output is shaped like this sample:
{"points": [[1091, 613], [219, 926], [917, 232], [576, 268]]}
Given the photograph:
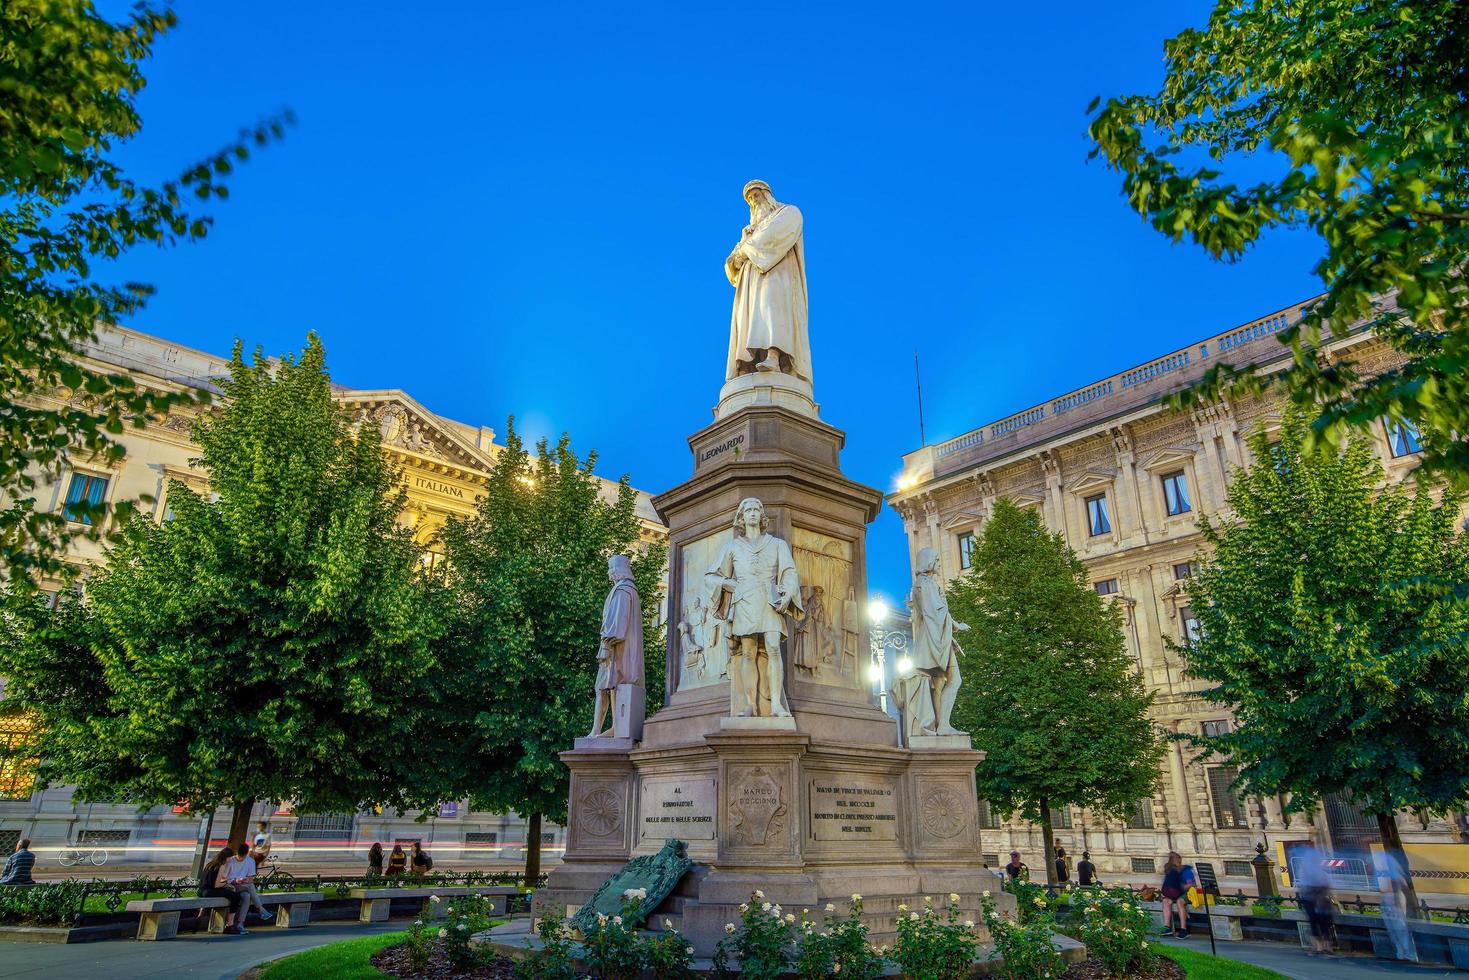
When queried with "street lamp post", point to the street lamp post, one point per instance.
{"points": [[882, 639]]}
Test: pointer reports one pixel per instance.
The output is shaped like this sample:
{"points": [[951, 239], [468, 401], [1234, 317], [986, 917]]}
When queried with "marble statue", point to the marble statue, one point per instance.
{"points": [[767, 268], [752, 587], [620, 654], [934, 653]]}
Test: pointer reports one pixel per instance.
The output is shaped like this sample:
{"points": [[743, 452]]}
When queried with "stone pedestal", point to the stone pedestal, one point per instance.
{"points": [[808, 809]]}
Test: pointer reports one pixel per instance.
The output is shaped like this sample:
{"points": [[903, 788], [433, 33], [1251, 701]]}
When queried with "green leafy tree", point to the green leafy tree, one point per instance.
{"points": [[1049, 691], [526, 577], [68, 83], [268, 641], [1362, 104], [1330, 626]]}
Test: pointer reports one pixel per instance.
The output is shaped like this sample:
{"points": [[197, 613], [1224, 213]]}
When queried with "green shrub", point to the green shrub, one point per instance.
{"points": [[553, 961], [762, 943], [613, 949], [836, 946], [1025, 947], [934, 947], [1115, 927], [53, 904], [669, 954]]}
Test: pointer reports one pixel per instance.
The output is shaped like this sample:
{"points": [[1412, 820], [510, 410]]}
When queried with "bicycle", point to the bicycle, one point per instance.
{"points": [[74, 855], [269, 870]]}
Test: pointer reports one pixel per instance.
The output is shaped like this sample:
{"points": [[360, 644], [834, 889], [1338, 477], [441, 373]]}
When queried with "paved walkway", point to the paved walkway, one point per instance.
{"points": [[1295, 962], [191, 955]]}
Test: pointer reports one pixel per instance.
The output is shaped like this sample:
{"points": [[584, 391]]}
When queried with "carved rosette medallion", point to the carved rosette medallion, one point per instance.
{"points": [[600, 813], [943, 812], [756, 809]]}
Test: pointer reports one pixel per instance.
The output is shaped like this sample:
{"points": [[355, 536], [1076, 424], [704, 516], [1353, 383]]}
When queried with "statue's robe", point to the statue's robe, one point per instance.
{"points": [[770, 296], [622, 631], [933, 651], [761, 569]]}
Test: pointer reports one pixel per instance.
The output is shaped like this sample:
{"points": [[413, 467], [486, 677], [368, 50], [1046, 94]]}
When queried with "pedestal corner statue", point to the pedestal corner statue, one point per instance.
{"points": [[753, 586], [767, 268], [620, 690], [930, 691]]}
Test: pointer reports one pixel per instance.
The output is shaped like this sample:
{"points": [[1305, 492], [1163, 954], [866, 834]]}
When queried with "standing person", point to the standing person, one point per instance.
{"points": [[212, 885], [397, 861], [375, 859], [422, 863], [18, 866], [1177, 877], [1395, 906], [1313, 892], [1086, 872], [1063, 867], [239, 873], [260, 846], [1016, 869]]}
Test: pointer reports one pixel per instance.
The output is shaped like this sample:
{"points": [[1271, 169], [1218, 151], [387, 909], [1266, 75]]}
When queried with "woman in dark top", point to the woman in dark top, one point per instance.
{"points": [[397, 861], [1086, 872], [1177, 877], [421, 863], [209, 888], [375, 859]]}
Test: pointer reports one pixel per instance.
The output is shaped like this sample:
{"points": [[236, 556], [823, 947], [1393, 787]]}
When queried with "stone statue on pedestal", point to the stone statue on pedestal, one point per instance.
{"points": [[620, 656], [767, 268], [753, 585], [935, 652]]}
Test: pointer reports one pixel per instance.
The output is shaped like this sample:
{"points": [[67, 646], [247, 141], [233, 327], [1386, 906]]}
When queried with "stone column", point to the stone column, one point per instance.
{"points": [[1129, 510]]}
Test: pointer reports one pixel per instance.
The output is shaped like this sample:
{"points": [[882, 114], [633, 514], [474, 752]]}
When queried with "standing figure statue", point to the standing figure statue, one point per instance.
{"points": [[935, 652], [753, 585], [620, 654], [767, 330]]}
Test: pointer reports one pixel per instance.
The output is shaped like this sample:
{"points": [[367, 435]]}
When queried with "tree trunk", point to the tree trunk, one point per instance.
{"points": [[1048, 843], [532, 850], [240, 822], [1392, 849]]}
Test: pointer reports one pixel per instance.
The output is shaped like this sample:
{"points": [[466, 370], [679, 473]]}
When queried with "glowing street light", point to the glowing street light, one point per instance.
{"points": [[877, 611]]}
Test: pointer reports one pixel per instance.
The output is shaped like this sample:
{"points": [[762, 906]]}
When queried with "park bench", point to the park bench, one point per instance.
{"points": [[377, 901], [158, 918]]}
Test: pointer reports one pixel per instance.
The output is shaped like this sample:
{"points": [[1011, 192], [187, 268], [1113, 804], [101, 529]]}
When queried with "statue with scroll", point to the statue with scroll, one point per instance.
{"points": [[620, 655], [752, 587], [767, 268], [934, 653]]}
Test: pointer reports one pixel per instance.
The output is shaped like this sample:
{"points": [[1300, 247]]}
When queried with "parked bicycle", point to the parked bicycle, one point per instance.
{"points": [[72, 856]]}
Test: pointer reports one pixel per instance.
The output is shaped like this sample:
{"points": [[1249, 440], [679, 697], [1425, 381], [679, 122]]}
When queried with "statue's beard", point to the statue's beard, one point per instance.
{"points": [[759, 212]]}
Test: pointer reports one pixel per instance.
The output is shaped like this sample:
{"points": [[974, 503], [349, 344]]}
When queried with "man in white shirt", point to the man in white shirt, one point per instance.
{"points": [[260, 847], [239, 872]]}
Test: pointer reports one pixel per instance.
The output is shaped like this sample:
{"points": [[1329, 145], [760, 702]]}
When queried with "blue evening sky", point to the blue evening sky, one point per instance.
{"points": [[523, 209]]}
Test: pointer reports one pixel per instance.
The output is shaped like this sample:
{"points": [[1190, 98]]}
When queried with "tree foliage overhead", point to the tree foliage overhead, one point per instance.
{"points": [[69, 79], [1364, 102], [1049, 692], [1331, 628], [527, 576], [268, 641]]}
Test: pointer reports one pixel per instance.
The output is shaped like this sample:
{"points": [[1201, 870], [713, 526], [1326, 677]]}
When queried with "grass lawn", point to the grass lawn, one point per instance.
{"points": [[1202, 966], [347, 960]]}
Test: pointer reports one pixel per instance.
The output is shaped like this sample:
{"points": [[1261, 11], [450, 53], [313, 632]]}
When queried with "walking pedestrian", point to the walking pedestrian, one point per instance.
{"points": [[1395, 906], [1086, 872], [397, 861], [18, 866], [1177, 878], [1313, 892], [260, 846], [239, 873], [1063, 867], [375, 859], [212, 885]]}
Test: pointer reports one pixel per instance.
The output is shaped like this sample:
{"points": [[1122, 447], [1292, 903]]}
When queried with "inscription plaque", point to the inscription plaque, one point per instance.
{"points": [[681, 808], [844, 808]]}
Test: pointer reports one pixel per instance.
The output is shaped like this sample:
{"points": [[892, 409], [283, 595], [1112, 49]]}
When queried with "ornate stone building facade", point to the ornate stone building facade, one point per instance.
{"points": [[1124, 480], [444, 464]]}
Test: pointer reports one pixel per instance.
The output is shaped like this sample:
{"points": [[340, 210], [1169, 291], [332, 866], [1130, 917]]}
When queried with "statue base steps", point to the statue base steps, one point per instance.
{"points": [[940, 743]]}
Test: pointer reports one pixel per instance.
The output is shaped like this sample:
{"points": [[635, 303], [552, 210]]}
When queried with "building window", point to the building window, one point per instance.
{"points": [[481, 838], [1228, 814], [85, 492], [1183, 570], [1143, 866], [1238, 869], [17, 767], [1061, 818], [1142, 816], [1175, 494], [104, 838], [1402, 438], [1098, 520], [336, 827], [966, 549], [548, 839], [1213, 729], [990, 860], [1107, 586], [988, 819], [1190, 623]]}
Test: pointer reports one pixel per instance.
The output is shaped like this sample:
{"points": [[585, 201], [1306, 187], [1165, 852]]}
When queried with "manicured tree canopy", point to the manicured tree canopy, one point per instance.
{"points": [[527, 576], [268, 641], [1331, 627], [70, 78], [1049, 689], [1362, 105]]}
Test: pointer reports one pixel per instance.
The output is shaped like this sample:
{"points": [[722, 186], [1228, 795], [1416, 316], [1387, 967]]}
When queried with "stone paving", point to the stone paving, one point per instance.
{"points": [[190, 955], [1295, 962]]}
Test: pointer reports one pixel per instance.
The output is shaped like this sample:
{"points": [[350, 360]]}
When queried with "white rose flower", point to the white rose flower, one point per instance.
{"points": [[836, 968], [434, 898], [968, 923], [744, 907], [443, 933], [928, 900], [729, 928], [856, 897], [954, 897], [912, 916], [630, 893], [790, 918], [691, 951], [601, 919], [418, 922], [667, 924], [902, 908], [830, 907], [617, 920], [460, 927], [759, 893], [986, 893], [764, 906]]}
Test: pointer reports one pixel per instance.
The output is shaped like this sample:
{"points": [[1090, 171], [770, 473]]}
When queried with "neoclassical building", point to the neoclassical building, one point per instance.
{"points": [[445, 464], [1125, 480]]}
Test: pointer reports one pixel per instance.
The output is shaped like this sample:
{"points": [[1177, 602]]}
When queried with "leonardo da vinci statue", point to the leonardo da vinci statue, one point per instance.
{"points": [[767, 330]]}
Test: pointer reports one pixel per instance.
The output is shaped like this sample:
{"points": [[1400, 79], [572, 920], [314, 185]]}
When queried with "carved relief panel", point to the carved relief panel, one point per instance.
{"points": [[826, 644], [703, 646]]}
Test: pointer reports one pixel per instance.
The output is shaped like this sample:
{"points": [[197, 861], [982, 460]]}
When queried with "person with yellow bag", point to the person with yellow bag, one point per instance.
{"points": [[1179, 880]]}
